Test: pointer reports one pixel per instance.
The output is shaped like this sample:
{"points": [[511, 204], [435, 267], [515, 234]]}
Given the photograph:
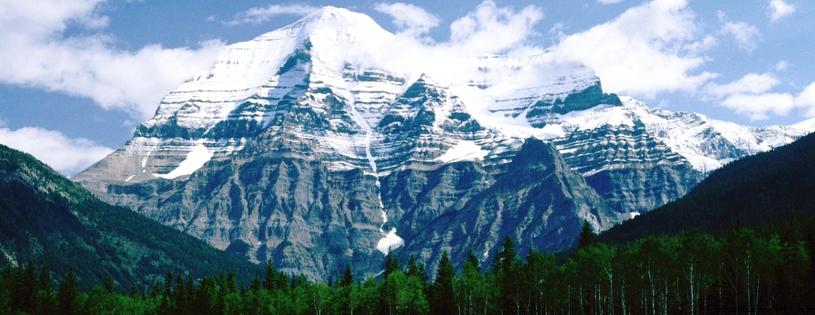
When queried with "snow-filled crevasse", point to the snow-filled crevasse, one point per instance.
{"points": [[389, 240]]}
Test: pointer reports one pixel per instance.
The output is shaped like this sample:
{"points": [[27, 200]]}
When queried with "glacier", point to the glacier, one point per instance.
{"points": [[306, 142]]}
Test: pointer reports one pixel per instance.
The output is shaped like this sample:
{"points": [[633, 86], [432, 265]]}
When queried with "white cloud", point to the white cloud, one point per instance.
{"points": [[751, 83], [260, 15], [751, 96], [490, 29], [487, 30], [66, 155], [409, 18], [806, 100], [36, 53], [758, 107], [609, 1], [744, 34], [781, 65], [648, 49], [779, 9]]}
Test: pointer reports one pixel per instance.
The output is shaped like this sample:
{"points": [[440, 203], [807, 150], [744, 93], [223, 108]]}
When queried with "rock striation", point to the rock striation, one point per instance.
{"points": [[299, 147]]}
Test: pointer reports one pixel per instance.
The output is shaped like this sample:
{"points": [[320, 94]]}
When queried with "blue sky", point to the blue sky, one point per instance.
{"points": [[77, 76]]}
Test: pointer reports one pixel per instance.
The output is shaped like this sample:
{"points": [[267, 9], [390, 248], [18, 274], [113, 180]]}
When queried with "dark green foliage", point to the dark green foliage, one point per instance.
{"points": [[347, 278], [756, 189], [767, 268], [391, 264], [586, 237], [68, 295], [48, 220], [442, 297]]}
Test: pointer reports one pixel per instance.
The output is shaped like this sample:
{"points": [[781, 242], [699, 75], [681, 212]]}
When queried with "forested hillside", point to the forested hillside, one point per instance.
{"points": [[769, 269], [48, 220], [761, 188]]}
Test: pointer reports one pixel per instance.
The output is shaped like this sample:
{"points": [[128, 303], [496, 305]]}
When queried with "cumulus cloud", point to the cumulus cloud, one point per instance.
{"points": [[648, 49], [492, 29], [65, 155], [779, 9], [259, 15], [806, 100], [751, 96], [759, 106], [744, 34], [751, 83], [36, 53], [487, 30], [409, 18]]}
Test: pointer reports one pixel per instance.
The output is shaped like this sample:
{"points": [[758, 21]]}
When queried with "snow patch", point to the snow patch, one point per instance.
{"points": [[390, 242], [463, 150], [633, 214], [195, 160]]}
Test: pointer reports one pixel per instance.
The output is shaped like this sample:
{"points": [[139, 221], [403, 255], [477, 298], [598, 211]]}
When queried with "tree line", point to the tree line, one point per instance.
{"points": [[744, 270]]}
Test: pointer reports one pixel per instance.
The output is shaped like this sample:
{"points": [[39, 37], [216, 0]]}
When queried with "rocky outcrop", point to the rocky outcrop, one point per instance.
{"points": [[538, 201], [293, 150]]}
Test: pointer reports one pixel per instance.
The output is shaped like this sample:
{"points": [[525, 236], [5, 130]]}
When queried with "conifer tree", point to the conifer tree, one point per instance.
{"points": [[442, 294], [347, 277], [391, 264], [67, 295], [586, 237], [107, 284]]}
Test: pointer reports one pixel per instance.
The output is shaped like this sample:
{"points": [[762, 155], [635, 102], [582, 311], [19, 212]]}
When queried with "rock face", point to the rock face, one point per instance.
{"points": [[314, 156]]}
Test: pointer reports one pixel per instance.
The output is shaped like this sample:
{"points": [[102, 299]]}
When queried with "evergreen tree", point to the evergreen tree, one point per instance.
{"points": [[134, 291], [416, 269], [255, 283], [231, 283], [391, 264], [107, 284], [274, 279], [347, 277], [46, 283], [68, 294], [472, 260], [586, 237], [506, 269], [442, 294]]}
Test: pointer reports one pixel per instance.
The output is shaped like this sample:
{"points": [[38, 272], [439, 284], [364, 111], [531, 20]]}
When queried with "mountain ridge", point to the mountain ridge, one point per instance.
{"points": [[339, 152], [47, 219]]}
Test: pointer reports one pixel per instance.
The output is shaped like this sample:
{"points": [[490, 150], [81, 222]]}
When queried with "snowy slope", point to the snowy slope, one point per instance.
{"points": [[304, 132]]}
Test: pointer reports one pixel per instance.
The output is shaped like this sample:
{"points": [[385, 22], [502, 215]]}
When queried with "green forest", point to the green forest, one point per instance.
{"points": [[744, 270]]}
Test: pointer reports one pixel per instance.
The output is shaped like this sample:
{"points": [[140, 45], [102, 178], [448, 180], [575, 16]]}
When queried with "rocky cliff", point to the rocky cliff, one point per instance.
{"points": [[297, 147]]}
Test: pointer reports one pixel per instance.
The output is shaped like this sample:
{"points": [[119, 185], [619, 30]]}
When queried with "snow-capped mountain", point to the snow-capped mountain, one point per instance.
{"points": [[304, 146]]}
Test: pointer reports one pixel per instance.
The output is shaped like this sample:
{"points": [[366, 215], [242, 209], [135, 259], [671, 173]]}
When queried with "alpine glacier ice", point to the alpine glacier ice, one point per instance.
{"points": [[306, 142]]}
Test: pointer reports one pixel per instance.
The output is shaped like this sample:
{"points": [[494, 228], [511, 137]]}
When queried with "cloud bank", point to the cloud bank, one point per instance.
{"points": [[37, 53], [752, 96], [259, 15], [409, 18], [65, 155], [648, 49]]}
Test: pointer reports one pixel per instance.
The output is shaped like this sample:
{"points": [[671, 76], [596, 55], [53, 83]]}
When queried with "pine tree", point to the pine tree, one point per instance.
{"points": [[67, 295], [473, 261], [347, 277], [46, 283], [107, 284], [391, 264], [442, 294], [586, 237], [416, 269], [255, 284]]}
